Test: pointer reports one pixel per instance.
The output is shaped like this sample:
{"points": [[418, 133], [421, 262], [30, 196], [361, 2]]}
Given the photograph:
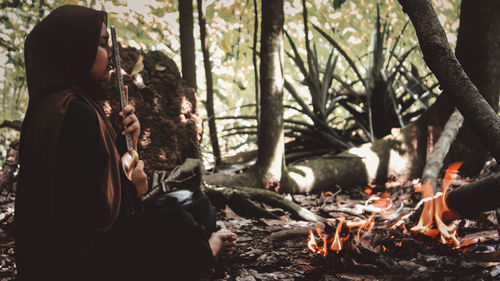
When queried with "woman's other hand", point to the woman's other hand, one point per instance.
{"points": [[130, 121], [140, 179]]}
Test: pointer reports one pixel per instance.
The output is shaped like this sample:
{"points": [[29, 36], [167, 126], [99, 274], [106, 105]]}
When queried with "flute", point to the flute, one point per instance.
{"points": [[129, 158]]}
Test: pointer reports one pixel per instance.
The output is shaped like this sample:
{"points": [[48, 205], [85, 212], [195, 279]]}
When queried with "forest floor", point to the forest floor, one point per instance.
{"points": [[276, 249]]}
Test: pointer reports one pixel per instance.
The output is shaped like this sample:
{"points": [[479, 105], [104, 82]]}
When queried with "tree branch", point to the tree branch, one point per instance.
{"points": [[435, 161], [16, 124]]}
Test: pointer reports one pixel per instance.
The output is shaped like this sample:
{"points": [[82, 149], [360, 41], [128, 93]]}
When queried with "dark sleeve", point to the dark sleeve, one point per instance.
{"points": [[78, 182]]}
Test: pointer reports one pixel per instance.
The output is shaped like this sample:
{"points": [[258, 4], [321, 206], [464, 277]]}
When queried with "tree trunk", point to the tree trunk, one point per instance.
{"points": [[188, 58], [210, 88], [171, 125], [254, 61], [478, 53], [270, 141]]}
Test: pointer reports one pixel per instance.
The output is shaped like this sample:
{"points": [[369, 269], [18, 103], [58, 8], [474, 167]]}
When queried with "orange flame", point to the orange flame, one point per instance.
{"points": [[430, 222], [434, 207], [448, 232], [311, 243], [425, 222], [321, 233], [336, 243]]}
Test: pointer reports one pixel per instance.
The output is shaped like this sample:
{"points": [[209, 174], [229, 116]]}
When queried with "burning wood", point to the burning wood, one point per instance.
{"points": [[430, 222]]}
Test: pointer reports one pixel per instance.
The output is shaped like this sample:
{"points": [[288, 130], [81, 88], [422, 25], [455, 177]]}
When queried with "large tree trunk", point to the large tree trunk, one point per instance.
{"points": [[454, 81], [270, 160], [171, 125], [478, 53], [188, 58], [210, 88]]}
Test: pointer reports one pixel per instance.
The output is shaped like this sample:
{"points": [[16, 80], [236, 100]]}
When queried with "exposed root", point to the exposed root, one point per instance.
{"points": [[240, 200]]}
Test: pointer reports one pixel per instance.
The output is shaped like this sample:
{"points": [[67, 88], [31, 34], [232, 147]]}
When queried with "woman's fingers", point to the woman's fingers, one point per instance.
{"points": [[133, 129], [127, 110], [129, 120]]}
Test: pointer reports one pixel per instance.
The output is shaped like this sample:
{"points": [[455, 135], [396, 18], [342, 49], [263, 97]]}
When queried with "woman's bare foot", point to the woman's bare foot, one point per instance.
{"points": [[222, 243]]}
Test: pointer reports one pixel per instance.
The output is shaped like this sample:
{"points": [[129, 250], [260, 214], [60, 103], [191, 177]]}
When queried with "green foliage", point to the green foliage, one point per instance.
{"points": [[153, 24], [383, 95]]}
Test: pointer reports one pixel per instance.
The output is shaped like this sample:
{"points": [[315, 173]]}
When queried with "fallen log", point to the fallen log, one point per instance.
{"points": [[400, 155], [238, 199]]}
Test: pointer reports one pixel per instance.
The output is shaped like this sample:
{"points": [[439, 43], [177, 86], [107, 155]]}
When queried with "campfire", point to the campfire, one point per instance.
{"points": [[430, 222]]}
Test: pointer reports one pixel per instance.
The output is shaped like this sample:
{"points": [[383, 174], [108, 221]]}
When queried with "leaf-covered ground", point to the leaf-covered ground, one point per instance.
{"points": [[277, 249]]}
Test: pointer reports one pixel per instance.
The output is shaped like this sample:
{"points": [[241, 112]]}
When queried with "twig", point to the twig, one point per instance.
{"points": [[16, 124]]}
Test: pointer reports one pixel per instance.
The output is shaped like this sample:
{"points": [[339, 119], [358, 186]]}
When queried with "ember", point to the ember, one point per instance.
{"points": [[430, 222]]}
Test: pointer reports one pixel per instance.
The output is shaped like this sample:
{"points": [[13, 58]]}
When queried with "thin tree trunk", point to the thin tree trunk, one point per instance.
{"points": [[188, 57], [454, 81], [210, 90], [441, 147], [270, 162], [254, 60]]}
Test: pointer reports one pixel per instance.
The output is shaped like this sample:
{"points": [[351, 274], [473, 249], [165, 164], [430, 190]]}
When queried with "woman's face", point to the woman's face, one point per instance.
{"points": [[101, 67]]}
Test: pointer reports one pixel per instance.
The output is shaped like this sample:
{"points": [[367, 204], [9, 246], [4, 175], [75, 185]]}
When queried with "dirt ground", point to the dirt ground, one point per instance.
{"points": [[277, 249]]}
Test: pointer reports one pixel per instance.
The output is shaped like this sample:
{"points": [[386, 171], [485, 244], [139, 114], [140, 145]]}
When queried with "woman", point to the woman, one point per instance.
{"points": [[77, 216]]}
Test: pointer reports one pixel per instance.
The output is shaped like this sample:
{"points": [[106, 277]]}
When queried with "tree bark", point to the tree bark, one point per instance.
{"points": [[270, 162], [454, 81], [210, 88], [188, 57]]}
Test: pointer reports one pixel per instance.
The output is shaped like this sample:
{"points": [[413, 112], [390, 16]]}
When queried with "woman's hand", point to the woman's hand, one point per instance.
{"points": [[140, 179], [130, 121]]}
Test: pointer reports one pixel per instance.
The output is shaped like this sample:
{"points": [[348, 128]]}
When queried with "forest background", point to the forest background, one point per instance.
{"points": [[154, 25]]}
